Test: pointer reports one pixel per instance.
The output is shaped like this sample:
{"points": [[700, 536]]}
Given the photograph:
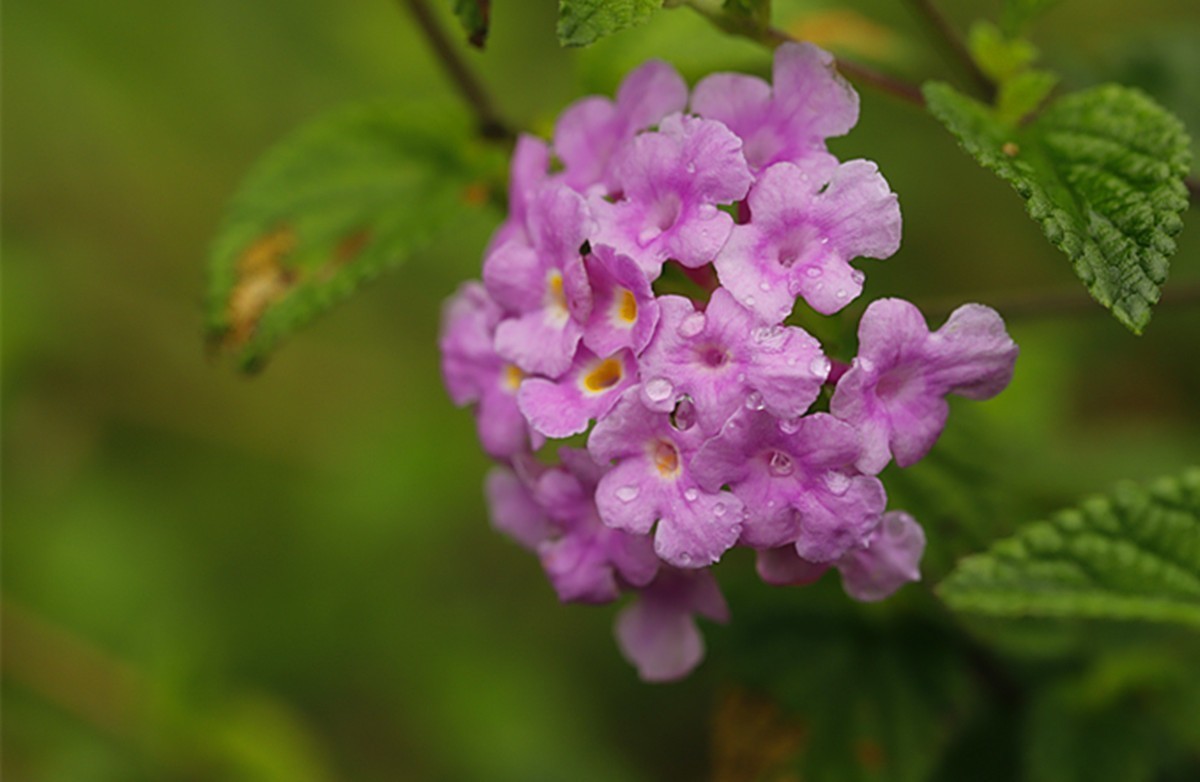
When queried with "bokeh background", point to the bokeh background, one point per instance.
{"points": [[291, 576]]}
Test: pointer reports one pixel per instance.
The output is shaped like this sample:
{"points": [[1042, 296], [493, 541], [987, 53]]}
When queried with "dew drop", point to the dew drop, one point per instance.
{"points": [[749, 301], [648, 235], [741, 377], [659, 389], [820, 366], [764, 286], [857, 276], [837, 482], [685, 415], [864, 364], [719, 509], [691, 495], [755, 401], [813, 271], [780, 464], [685, 558], [768, 336], [627, 493], [691, 325], [691, 168], [824, 240], [841, 293], [790, 425]]}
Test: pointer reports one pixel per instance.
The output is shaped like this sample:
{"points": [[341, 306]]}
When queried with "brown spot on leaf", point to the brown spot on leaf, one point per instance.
{"points": [[344, 252], [1010, 148], [262, 279], [752, 739]]}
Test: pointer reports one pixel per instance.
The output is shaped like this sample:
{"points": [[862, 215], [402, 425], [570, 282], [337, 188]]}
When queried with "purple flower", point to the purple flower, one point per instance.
{"points": [[658, 633], [726, 357], [475, 373], [589, 389], [543, 282], [651, 483], [895, 390], [624, 311], [514, 510], [584, 560], [671, 182], [590, 130], [802, 233], [797, 481], [809, 103], [527, 172], [890, 559]]}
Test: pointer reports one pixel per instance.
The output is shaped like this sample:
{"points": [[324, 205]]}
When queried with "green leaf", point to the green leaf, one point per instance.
{"points": [[1101, 171], [1018, 13], [340, 201], [583, 22], [998, 56], [1134, 555], [474, 16]]}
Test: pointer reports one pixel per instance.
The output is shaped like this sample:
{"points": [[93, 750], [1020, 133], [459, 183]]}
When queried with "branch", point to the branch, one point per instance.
{"points": [[491, 125], [953, 44], [1032, 305]]}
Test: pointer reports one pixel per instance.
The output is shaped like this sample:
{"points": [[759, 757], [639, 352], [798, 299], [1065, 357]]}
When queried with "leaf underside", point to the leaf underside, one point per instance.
{"points": [[340, 201], [1133, 555], [1101, 172], [583, 22]]}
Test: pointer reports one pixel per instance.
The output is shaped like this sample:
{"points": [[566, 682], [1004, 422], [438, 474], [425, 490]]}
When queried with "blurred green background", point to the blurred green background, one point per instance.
{"points": [[291, 577]]}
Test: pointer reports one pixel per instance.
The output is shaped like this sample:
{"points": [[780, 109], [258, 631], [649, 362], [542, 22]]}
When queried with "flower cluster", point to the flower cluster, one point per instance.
{"points": [[701, 413]]}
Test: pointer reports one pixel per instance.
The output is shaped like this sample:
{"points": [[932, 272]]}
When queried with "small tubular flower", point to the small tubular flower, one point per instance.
{"points": [[895, 390]]}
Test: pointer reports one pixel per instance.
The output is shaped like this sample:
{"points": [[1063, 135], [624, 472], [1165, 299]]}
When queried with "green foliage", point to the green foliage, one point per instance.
{"points": [[1134, 555], [1101, 171], [1018, 13], [583, 22], [474, 16], [343, 199]]}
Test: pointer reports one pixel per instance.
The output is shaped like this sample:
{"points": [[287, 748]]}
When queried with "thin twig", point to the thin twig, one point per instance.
{"points": [[491, 125], [952, 43], [1033, 305], [863, 74]]}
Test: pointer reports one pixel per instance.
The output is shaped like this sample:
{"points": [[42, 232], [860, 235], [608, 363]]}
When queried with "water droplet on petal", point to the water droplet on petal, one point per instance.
{"points": [[790, 425], [780, 464], [749, 301], [813, 271], [685, 415], [719, 509], [648, 235], [837, 482], [685, 558], [841, 293], [691, 495], [691, 325], [764, 286], [824, 240], [857, 276], [755, 401], [865, 364], [659, 389], [820, 367], [691, 168], [741, 377], [769, 336], [627, 493]]}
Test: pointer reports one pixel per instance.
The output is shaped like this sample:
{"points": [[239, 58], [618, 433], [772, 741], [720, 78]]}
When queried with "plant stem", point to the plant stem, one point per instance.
{"points": [[1032, 305], [773, 37], [491, 126], [953, 44]]}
